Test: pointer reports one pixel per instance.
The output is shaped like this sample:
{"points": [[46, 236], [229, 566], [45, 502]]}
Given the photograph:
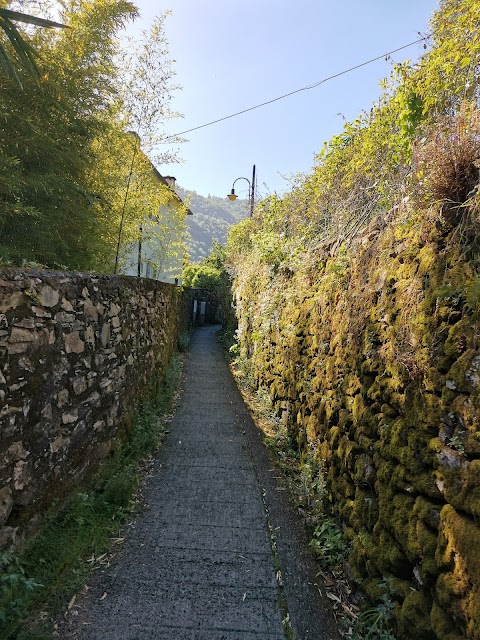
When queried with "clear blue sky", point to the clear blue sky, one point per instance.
{"points": [[233, 54]]}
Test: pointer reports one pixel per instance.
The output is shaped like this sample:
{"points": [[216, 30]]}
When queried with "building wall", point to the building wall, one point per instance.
{"points": [[155, 263]]}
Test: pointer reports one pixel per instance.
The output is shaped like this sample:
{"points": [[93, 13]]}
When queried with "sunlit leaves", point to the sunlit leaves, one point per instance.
{"points": [[146, 88], [22, 52], [65, 153]]}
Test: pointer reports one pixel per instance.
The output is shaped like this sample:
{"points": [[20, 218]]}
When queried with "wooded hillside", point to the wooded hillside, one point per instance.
{"points": [[211, 221]]}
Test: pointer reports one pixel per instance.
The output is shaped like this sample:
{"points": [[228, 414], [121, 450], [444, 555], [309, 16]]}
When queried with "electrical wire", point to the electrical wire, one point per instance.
{"points": [[291, 93]]}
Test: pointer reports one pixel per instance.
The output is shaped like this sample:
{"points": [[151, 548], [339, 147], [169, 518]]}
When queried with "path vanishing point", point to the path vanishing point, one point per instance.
{"points": [[218, 554]]}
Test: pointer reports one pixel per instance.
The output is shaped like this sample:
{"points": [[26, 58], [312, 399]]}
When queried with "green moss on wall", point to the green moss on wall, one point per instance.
{"points": [[413, 617], [377, 358]]}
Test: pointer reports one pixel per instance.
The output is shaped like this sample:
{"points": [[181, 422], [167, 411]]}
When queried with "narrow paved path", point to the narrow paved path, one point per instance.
{"points": [[198, 563]]}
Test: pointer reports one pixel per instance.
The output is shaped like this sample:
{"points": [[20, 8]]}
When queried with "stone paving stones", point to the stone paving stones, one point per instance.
{"points": [[197, 564]]}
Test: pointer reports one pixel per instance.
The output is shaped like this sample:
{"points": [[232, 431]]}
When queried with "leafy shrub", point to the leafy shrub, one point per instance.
{"points": [[375, 623], [329, 544], [119, 488], [306, 477], [201, 276], [15, 588]]}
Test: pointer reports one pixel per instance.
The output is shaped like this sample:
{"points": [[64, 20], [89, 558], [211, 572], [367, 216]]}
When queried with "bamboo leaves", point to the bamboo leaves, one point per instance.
{"points": [[25, 53]]}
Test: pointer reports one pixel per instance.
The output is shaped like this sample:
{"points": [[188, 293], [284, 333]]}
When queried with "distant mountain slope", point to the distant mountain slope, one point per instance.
{"points": [[211, 220]]}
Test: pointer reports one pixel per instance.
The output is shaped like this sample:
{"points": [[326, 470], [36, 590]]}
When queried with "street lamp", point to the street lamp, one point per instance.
{"points": [[251, 191]]}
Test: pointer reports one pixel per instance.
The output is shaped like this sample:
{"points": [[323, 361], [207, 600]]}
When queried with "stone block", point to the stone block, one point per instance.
{"points": [[73, 343], [91, 311], [62, 398], [21, 475], [25, 323], [105, 336], [71, 417], [59, 443], [16, 387], [11, 300], [41, 313], [64, 317], [79, 385], [90, 336], [25, 364], [47, 411], [93, 398], [16, 451], [21, 335], [114, 309], [48, 296], [67, 305]]}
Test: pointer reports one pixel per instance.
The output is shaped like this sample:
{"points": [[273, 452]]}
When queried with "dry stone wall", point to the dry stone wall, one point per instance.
{"points": [[371, 358], [77, 353]]}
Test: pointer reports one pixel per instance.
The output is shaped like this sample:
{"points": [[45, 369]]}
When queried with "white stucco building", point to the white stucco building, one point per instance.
{"points": [[159, 253]]}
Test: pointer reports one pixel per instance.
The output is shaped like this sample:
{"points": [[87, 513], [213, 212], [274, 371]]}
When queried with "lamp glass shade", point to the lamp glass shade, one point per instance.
{"points": [[232, 196]]}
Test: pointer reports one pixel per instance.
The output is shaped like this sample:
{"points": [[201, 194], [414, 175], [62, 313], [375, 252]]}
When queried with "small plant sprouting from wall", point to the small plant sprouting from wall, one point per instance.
{"points": [[374, 622], [329, 544]]}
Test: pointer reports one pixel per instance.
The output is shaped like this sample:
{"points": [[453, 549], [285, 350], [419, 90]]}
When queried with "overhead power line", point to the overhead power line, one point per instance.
{"points": [[291, 93]]}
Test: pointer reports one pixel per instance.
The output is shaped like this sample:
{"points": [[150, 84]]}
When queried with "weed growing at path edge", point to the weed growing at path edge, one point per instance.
{"points": [[41, 580], [374, 623]]}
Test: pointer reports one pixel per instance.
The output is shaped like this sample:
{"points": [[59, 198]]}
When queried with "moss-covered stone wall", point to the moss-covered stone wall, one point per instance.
{"points": [[77, 354], [371, 356]]}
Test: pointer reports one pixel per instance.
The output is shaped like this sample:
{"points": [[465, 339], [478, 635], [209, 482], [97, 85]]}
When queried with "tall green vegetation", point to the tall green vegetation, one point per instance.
{"points": [[25, 54], [207, 274], [73, 177]]}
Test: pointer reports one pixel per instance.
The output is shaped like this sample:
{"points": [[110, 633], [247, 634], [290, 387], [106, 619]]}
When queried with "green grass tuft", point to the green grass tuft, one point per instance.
{"points": [[183, 342]]}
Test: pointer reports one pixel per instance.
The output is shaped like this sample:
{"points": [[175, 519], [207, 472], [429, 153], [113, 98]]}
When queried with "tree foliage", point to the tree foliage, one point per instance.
{"points": [[67, 153], [25, 54], [209, 273], [212, 219]]}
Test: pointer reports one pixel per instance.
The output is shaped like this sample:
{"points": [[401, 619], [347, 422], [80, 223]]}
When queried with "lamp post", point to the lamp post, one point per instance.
{"points": [[251, 191]]}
